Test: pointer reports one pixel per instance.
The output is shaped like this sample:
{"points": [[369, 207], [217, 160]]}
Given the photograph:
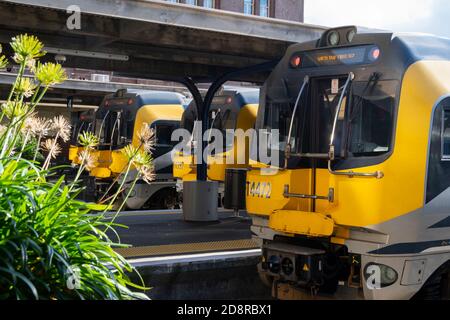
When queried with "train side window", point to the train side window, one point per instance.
{"points": [[163, 133], [445, 135]]}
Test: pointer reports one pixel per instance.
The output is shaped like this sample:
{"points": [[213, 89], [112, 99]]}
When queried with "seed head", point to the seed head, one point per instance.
{"points": [[52, 147], [61, 127], [147, 173], [87, 159], [147, 137]]}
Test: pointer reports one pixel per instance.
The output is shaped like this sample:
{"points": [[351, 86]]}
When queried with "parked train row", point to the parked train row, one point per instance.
{"points": [[359, 203]]}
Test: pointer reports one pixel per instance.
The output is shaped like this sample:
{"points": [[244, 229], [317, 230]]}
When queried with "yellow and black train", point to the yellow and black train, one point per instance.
{"points": [[359, 203], [117, 123], [231, 109]]}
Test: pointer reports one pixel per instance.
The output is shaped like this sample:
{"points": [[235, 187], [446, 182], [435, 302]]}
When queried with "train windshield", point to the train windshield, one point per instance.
{"points": [[221, 119], [225, 122], [364, 123], [81, 122], [114, 128], [78, 128]]}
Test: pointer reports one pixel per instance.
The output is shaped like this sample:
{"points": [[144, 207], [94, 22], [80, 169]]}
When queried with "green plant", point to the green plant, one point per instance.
{"points": [[51, 245]]}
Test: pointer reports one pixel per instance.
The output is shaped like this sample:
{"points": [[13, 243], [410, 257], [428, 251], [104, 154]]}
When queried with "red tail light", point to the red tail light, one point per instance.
{"points": [[296, 61]]}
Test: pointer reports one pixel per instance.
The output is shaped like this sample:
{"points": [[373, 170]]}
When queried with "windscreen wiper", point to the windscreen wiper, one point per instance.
{"points": [[288, 148]]}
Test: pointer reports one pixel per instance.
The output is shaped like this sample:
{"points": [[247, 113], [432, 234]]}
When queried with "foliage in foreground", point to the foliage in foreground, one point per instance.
{"points": [[51, 246]]}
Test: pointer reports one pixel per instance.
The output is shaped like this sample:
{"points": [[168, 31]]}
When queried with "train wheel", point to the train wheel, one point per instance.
{"points": [[171, 202], [165, 199], [437, 287]]}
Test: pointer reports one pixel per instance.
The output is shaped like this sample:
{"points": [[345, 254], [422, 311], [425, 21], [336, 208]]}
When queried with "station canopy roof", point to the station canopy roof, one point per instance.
{"points": [[153, 39]]}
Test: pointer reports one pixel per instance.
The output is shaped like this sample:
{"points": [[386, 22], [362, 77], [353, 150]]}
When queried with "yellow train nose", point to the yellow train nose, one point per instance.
{"points": [[73, 154], [103, 162], [183, 165], [118, 162]]}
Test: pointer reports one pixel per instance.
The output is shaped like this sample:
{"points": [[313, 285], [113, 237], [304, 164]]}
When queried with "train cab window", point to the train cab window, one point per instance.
{"points": [[102, 122], [228, 126], [163, 133], [371, 120], [445, 135], [109, 128], [278, 117], [365, 121], [224, 121], [209, 3]]}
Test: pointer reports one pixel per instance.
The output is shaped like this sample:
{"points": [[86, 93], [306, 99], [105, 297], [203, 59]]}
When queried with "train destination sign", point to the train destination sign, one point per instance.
{"points": [[340, 56]]}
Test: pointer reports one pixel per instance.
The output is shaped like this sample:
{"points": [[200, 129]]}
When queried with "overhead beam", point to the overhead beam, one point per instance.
{"points": [[110, 30], [164, 13], [163, 40]]}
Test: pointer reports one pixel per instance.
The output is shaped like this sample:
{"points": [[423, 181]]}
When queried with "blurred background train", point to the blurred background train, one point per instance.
{"points": [[117, 123], [231, 109]]}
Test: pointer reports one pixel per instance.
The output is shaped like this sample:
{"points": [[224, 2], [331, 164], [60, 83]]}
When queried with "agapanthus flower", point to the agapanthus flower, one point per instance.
{"points": [[49, 74], [52, 148], [29, 124], [41, 127], [147, 173], [146, 137], [87, 159], [26, 48], [88, 140], [14, 109], [61, 127], [3, 62], [25, 87]]}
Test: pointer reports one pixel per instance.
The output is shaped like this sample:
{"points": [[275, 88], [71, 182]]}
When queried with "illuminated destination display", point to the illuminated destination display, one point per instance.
{"points": [[341, 56]]}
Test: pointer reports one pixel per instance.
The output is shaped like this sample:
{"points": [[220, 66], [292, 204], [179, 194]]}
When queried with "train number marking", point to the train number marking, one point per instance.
{"points": [[259, 189]]}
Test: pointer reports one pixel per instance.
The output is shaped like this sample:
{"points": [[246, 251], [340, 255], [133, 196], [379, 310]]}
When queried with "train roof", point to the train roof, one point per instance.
{"points": [[244, 96], [412, 47], [418, 47], [148, 97], [241, 96]]}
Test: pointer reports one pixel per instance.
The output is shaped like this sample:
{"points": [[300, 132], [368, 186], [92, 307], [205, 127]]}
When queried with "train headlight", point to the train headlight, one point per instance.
{"points": [[287, 266], [351, 35], [274, 264], [333, 38], [380, 275]]}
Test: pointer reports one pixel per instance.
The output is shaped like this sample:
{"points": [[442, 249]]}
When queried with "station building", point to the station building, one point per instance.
{"points": [[292, 10]]}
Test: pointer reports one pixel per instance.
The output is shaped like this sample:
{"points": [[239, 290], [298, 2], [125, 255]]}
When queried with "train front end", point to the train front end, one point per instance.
{"points": [[340, 192]]}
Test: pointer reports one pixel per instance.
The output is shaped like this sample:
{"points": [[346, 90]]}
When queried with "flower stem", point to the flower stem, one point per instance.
{"points": [[38, 147], [116, 195], [25, 141], [133, 185], [80, 170], [50, 153]]}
